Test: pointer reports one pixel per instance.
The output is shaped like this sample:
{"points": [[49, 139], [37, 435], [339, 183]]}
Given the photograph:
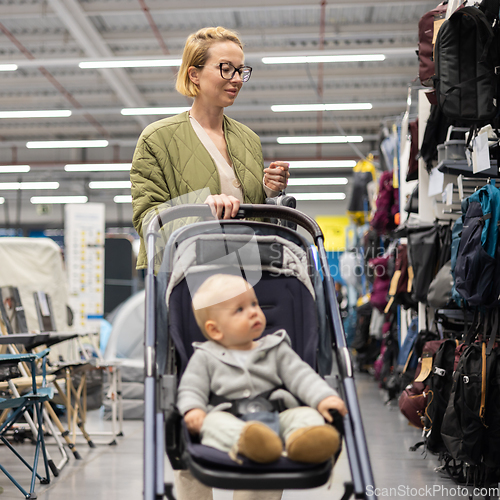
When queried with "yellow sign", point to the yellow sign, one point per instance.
{"points": [[334, 228]]}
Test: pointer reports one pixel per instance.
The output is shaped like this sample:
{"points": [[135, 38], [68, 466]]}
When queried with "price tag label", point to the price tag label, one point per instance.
{"points": [[480, 153], [460, 181]]}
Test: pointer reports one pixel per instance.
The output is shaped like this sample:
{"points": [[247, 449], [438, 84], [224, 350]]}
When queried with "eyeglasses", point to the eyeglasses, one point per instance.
{"points": [[227, 71]]}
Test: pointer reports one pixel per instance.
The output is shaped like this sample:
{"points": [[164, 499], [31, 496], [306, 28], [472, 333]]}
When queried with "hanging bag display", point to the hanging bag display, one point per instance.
{"points": [[466, 55]]}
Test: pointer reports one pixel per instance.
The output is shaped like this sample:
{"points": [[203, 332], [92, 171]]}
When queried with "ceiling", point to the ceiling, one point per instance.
{"points": [[47, 39]]}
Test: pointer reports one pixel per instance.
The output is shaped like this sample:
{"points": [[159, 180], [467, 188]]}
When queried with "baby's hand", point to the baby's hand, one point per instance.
{"points": [[194, 420], [331, 403]]}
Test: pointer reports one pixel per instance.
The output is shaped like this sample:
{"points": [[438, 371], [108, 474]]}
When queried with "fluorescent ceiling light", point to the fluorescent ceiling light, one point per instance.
{"points": [[110, 184], [98, 167], [12, 186], [323, 59], [50, 113], [154, 111], [353, 106], [14, 169], [123, 198], [49, 200], [322, 139], [144, 63], [319, 196], [323, 164], [319, 181], [2, 200], [8, 67], [66, 144]]}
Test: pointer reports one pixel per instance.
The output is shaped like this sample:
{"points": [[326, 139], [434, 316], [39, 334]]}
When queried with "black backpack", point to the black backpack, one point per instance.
{"points": [[424, 251], [466, 54], [464, 423], [476, 267], [440, 383]]}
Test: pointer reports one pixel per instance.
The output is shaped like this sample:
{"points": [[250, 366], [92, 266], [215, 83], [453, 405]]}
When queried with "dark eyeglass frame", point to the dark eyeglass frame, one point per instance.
{"points": [[236, 70]]}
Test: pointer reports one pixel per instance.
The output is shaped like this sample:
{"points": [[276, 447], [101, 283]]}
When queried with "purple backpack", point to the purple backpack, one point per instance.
{"points": [[387, 205], [381, 282]]}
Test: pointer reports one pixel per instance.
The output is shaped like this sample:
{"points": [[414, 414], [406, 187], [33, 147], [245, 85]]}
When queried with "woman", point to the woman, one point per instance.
{"points": [[203, 148]]}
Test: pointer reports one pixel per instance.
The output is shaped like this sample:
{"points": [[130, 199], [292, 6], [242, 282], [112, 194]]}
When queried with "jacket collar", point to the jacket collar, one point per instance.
{"points": [[223, 354]]}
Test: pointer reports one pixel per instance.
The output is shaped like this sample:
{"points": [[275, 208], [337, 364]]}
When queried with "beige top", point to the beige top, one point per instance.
{"points": [[229, 183]]}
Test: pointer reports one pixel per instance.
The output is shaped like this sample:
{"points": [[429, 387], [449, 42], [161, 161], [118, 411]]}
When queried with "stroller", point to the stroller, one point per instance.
{"points": [[292, 281]]}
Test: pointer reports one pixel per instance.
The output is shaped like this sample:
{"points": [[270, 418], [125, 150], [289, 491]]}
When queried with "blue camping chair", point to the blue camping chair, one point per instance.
{"points": [[33, 401]]}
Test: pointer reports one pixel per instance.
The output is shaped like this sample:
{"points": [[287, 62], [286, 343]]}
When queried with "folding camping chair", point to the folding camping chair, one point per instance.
{"points": [[75, 375], [16, 406], [161, 357]]}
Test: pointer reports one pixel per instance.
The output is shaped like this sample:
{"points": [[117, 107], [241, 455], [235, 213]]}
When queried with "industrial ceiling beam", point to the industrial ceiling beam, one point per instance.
{"points": [[23, 10], [84, 32]]}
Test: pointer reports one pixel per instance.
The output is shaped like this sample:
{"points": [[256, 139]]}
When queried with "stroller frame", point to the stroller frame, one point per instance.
{"points": [[357, 450]]}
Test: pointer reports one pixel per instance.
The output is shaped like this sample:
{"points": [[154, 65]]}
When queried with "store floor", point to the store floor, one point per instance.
{"points": [[115, 472]]}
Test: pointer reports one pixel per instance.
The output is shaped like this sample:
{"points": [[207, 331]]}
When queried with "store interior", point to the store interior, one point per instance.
{"points": [[386, 168]]}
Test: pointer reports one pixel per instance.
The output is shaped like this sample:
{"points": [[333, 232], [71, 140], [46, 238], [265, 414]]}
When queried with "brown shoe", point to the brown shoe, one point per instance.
{"points": [[313, 445], [259, 443]]}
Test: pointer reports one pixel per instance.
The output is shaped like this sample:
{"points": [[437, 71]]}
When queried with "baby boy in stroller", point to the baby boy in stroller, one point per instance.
{"points": [[241, 393]]}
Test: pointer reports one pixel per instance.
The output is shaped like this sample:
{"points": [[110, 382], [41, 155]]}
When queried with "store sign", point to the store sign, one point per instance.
{"points": [[84, 228], [334, 228]]}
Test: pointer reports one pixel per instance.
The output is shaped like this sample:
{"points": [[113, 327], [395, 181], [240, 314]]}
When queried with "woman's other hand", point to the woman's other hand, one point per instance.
{"points": [[276, 175], [221, 202]]}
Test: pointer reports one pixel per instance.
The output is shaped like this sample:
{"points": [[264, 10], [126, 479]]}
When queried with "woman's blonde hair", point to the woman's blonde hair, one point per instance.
{"points": [[196, 54]]}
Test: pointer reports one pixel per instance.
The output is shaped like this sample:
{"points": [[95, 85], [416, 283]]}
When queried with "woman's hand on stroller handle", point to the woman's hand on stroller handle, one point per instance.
{"points": [[223, 206], [194, 420]]}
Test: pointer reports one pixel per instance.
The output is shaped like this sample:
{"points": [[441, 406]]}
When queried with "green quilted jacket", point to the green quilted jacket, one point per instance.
{"points": [[170, 161]]}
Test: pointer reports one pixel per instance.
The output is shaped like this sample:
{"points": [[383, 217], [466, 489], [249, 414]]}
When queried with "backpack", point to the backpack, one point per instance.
{"points": [[380, 289], [359, 204], [440, 289], [387, 205], [412, 174], [371, 250], [401, 282], [466, 54], [464, 426], [439, 390], [424, 250], [456, 234], [426, 39], [475, 268], [435, 133], [362, 335], [413, 399]]}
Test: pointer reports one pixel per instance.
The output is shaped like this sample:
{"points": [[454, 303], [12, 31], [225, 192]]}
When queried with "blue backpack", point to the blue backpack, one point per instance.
{"points": [[475, 268], [456, 232]]}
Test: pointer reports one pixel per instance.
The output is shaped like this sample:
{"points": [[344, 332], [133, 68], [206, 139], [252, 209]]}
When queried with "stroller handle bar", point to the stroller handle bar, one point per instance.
{"points": [[245, 211]]}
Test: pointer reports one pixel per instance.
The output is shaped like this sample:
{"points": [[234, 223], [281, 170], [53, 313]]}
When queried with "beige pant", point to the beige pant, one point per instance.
{"points": [[222, 430], [189, 488]]}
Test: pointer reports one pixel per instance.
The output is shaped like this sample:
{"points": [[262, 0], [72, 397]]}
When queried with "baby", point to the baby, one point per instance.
{"points": [[234, 364]]}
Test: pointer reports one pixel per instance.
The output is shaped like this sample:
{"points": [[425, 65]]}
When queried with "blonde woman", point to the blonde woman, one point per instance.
{"points": [[203, 148]]}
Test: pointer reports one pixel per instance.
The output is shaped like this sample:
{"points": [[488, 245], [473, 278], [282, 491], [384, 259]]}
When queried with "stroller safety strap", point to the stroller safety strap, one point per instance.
{"points": [[244, 406]]}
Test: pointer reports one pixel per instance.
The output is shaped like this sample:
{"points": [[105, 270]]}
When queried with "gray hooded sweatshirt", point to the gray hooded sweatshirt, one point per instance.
{"points": [[213, 369]]}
